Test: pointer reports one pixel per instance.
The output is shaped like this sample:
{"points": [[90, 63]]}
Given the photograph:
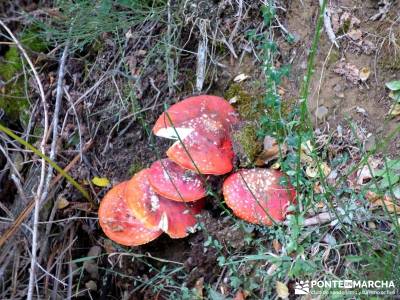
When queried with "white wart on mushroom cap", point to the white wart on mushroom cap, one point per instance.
{"points": [[257, 195]]}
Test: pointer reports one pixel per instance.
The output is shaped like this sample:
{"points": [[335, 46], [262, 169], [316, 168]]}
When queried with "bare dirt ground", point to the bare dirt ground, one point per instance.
{"points": [[121, 146]]}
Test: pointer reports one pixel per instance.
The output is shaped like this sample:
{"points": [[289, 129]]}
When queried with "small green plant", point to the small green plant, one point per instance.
{"points": [[394, 87]]}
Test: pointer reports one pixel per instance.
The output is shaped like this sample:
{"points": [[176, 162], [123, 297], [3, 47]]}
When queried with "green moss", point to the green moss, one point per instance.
{"points": [[249, 106], [12, 99], [135, 167], [12, 64], [345, 27], [334, 57], [12, 96], [249, 143]]}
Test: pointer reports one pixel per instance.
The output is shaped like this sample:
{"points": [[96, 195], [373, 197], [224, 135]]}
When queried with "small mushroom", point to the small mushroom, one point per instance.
{"points": [[257, 195], [119, 224], [201, 125], [177, 219], [171, 181]]}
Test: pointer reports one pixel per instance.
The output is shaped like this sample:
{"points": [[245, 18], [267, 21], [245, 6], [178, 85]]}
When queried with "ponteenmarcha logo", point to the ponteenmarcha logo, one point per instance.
{"points": [[348, 287]]}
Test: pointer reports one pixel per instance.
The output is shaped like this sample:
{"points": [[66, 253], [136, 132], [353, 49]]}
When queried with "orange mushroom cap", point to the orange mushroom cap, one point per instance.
{"points": [[256, 195], [203, 125], [177, 219], [208, 158], [173, 182], [179, 114], [119, 224]]}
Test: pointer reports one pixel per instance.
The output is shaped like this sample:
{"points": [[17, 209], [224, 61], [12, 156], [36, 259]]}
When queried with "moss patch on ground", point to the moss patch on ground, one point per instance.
{"points": [[249, 143], [246, 100], [12, 91]]}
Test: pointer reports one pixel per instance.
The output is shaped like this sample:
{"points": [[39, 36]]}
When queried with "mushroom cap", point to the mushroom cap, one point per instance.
{"points": [[171, 181], [208, 157], [182, 113], [203, 124], [265, 186], [119, 224], [177, 219]]}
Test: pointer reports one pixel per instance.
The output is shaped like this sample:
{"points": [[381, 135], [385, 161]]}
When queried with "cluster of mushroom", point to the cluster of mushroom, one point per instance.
{"points": [[167, 196]]}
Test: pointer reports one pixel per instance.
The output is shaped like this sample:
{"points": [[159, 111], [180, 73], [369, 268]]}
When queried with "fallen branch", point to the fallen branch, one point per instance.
{"points": [[319, 219]]}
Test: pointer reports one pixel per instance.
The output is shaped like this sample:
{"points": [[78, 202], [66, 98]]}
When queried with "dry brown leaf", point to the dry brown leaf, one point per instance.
{"points": [[363, 175], [355, 34], [307, 147], [270, 151], [394, 110], [305, 159], [241, 77], [318, 188], [364, 74], [281, 290], [277, 246], [312, 170], [348, 70], [199, 286], [62, 202], [382, 202]]}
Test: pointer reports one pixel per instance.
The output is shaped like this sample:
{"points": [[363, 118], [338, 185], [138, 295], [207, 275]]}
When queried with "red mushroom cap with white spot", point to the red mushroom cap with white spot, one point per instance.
{"points": [[173, 182], [198, 154], [257, 195], [119, 224], [201, 125], [177, 219], [182, 113]]}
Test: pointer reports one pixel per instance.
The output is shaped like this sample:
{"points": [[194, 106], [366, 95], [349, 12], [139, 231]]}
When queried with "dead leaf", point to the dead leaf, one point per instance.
{"points": [[272, 269], [382, 202], [306, 147], [363, 175], [355, 34], [199, 286], [241, 77], [91, 285], [233, 100], [394, 110], [100, 181], [318, 189], [321, 112], [62, 202], [277, 246], [364, 74], [276, 166], [371, 225], [281, 290], [348, 70], [312, 170], [270, 151]]}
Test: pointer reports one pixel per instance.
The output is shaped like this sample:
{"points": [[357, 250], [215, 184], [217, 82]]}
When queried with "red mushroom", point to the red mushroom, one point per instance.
{"points": [[198, 154], [119, 224], [173, 182], [182, 113], [202, 127], [257, 195], [177, 219]]}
